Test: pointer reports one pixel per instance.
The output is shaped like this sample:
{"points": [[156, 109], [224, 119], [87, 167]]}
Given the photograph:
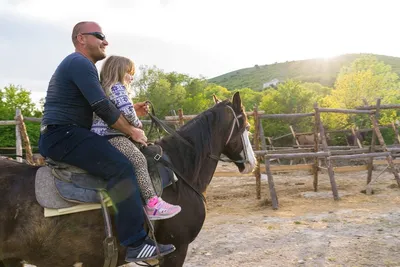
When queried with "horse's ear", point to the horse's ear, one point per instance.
{"points": [[216, 100], [237, 102]]}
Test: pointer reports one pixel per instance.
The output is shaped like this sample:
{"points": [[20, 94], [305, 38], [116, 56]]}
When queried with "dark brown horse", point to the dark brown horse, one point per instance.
{"points": [[25, 234]]}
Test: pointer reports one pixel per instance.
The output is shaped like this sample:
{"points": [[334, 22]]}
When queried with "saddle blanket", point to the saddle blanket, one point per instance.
{"points": [[78, 208]]}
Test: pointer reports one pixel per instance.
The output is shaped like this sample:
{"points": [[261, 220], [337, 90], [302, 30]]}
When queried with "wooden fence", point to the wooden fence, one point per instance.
{"points": [[267, 153], [324, 151]]}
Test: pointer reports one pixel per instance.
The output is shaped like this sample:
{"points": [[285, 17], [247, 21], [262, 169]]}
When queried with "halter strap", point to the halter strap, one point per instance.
{"points": [[233, 125]]}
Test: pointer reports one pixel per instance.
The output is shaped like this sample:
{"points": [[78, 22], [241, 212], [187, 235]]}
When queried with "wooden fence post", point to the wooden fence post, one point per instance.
{"points": [[256, 140], [180, 113], [396, 134], [326, 149], [272, 146], [389, 158], [373, 142], [316, 148], [271, 184], [356, 141], [25, 137], [18, 141]]}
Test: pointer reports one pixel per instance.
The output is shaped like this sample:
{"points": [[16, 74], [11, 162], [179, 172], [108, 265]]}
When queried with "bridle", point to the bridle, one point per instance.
{"points": [[234, 123], [235, 119]]}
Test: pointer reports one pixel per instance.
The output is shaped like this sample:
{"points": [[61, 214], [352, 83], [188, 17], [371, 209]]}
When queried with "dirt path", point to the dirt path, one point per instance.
{"points": [[309, 229]]}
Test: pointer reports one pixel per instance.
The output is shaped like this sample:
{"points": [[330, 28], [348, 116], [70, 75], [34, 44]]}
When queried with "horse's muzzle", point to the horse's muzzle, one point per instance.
{"points": [[248, 168]]}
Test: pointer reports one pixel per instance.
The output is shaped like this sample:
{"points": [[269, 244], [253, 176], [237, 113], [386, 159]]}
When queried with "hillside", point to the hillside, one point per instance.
{"points": [[323, 71]]}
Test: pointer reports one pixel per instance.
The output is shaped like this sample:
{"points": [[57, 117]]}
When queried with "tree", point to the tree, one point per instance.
{"points": [[196, 104], [366, 78], [11, 98], [196, 86], [219, 91], [320, 90], [204, 98], [289, 97], [165, 90]]}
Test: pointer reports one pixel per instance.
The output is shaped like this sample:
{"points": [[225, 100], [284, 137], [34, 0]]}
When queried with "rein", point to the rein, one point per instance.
{"points": [[160, 124]]}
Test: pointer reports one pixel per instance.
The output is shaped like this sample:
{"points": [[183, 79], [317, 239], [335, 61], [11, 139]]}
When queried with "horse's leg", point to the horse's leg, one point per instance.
{"points": [[11, 262], [177, 258]]}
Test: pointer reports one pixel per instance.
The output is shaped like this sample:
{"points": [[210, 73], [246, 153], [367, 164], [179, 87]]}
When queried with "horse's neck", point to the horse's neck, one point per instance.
{"points": [[194, 164]]}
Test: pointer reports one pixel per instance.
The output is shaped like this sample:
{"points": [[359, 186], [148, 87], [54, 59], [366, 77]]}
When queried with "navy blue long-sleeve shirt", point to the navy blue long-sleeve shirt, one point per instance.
{"points": [[75, 92]]}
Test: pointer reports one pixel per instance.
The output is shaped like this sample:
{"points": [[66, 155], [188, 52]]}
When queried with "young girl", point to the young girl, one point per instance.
{"points": [[116, 76]]}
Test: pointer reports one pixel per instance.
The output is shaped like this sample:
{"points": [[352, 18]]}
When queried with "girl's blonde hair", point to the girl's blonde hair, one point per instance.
{"points": [[114, 70]]}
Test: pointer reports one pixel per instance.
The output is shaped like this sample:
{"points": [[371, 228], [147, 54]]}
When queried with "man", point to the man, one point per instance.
{"points": [[73, 94]]}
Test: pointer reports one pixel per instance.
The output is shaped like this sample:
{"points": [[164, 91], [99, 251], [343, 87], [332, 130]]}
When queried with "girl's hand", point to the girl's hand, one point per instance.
{"points": [[141, 108]]}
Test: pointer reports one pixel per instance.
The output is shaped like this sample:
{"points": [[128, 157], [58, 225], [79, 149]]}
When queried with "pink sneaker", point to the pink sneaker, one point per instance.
{"points": [[161, 210]]}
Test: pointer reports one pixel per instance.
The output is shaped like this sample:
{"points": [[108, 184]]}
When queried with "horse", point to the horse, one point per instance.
{"points": [[26, 235]]}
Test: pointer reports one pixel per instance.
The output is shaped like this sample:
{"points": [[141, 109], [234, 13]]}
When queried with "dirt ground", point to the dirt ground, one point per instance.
{"points": [[308, 229]]}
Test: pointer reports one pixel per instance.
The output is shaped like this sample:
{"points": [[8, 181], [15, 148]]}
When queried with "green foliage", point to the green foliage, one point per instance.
{"points": [[11, 98], [165, 91], [365, 78], [170, 91], [195, 86], [7, 136], [196, 104], [290, 97], [320, 90]]}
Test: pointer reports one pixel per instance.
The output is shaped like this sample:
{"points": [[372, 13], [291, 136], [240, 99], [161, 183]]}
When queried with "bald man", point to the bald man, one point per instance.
{"points": [[73, 94]]}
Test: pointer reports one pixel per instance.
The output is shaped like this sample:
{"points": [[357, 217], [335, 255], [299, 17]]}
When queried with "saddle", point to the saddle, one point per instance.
{"points": [[65, 187]]}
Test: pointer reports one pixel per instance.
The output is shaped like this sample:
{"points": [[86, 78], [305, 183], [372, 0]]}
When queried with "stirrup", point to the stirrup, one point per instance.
{"points": [[110, 242]]}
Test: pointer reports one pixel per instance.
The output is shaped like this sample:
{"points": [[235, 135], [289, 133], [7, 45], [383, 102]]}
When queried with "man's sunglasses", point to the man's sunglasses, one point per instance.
{"points": [[98, 35]]}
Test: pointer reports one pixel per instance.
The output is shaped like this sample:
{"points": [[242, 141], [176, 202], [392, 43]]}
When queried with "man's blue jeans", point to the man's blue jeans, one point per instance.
{"points": [[84, 149]]}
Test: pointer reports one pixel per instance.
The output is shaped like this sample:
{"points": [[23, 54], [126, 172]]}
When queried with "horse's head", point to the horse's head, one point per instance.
{"points": [[237, 146]]}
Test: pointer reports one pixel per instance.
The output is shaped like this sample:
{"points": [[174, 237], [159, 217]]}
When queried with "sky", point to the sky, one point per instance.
{"points": [[201, 38]]}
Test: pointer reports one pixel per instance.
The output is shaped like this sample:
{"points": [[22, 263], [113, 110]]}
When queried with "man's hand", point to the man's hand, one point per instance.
{"points": [[141, 108], [138, 135]]}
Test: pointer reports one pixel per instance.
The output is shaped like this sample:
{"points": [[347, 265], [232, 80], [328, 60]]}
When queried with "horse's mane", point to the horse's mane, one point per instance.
{"points": [[198, 129], [198, 132]]}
